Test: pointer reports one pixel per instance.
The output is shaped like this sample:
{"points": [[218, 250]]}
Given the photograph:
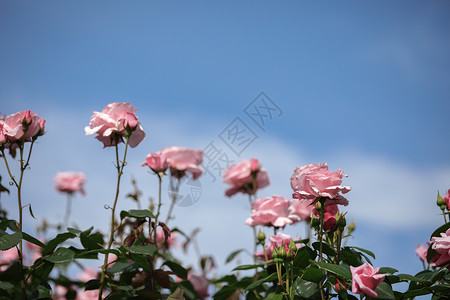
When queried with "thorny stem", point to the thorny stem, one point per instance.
{"points": [[119, 166]]}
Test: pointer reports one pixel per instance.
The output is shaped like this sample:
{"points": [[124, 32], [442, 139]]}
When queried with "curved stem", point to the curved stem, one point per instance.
{"points": [[119, 167]]}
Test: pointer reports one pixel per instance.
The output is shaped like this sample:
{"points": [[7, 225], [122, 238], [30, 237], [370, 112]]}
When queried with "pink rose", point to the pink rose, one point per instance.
{"points": [[271, 211], [313, 181], [241, 177], [7, 257], [442, 246], [171, 240], [116, 121], [59, 293], [275, 241], [70, 182], [156, 161], [365, 279], [2, 135], [24, 125], [446, 198], [88, 273], [181, 160], [302, 209], [200, 284], [87, 295]]}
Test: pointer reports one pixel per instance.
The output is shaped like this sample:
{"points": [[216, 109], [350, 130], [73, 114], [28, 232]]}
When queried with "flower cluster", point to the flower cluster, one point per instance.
{"points": [[246, 177], [21, 127]]}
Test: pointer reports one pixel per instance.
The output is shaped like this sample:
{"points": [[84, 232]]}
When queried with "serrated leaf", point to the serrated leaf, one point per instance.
{"points": [[325, 249], [312, 274], [305, 289], [384, 291], [73, 230], [303, 257], [439, 230], [136, 213], [121, 267], [52, 244], [147, 249], [387, 270], [92, 241], [60, 256], [177, 269], [233, 255], [7, 241], [32, 240], [364, 251], [43, 292], [248, 267], [142, 261], [408, 277], [257, 283], [342, 271]]}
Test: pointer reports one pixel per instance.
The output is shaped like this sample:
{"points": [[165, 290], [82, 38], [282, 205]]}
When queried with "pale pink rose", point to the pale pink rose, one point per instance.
{"points": [[70, 182], [34, 250], [156, 161], [275, 241], [59, 293], [446, 198], [112, 259], [24, 125], [200, 284], [7, 257], [88, 295], [365, 279], [421, 252], [241, 177], [88, 273], [114, 123], [2, 135], [312, 181], [302, 209], [181, 160], [271, 211], [171, 240], [442, 246]]}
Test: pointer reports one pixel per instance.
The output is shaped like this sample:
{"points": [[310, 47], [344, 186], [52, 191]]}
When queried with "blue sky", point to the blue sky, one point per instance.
{"points": [[361, 85]]}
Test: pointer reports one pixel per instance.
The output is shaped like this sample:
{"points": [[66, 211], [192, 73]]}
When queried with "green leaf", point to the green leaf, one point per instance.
{"points": [[60, 256], [248, 267], [6, 285], [364, 251], [230, 279], [142, 261], [441, 229], [342, 271], [136, 213], [224, 292], [305, 289], [52, 244], [233, 255], [384, 291], [92, 254], [437, 276], [303, 256], [351, 257], [31, 211], [177, 269], [147, 249], [330, 252], [8, 241], [257, 283], [32, 240], [93, 241], [121, 267], [73, 230], [178, 294], [44, 292], [417, 292], [312, 274], [387, 270], [407, 277]]}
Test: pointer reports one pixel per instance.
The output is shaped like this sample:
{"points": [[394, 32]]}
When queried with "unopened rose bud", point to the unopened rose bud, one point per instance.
{"points": [[130, 122], [351, 228], [255, 165], [443, 207], [315, 223], [319, 206], [283, 253], [440, 201], [261, 237], [341, 222], [26, 118]]}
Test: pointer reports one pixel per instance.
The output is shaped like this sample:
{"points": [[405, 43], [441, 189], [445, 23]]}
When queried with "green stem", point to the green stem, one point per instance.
{"points": [[68, 209], [255, 238], [175, 191], [445, 218], [119, 167], [321, 212]]}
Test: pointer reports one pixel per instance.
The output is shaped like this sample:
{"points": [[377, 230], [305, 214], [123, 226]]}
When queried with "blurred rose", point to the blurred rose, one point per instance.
{"points": [[115, 122], [171, 240], [88, 273], [442, 246], [200, 284], [70, 182], [7, 257], [447, 199], [302, 209], [312, 181], [365, 279], [181, 160], [156, 161], [271, 211], [421, 252], [87, 295], [241, 177]]}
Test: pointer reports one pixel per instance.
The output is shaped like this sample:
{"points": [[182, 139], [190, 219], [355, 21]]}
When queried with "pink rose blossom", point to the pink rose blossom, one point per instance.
{"points": [[7, 257], [181, 160], [22, 126], [365, 279], [70, 182], [275, 241], [114, 123], [171, 240], [156, 161], [87, 295], [2, 135], [442, 246], [329, 214], [241, 177], [200, 284], [313, 181], [59, 293], [446, 198], [271, 211]]}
